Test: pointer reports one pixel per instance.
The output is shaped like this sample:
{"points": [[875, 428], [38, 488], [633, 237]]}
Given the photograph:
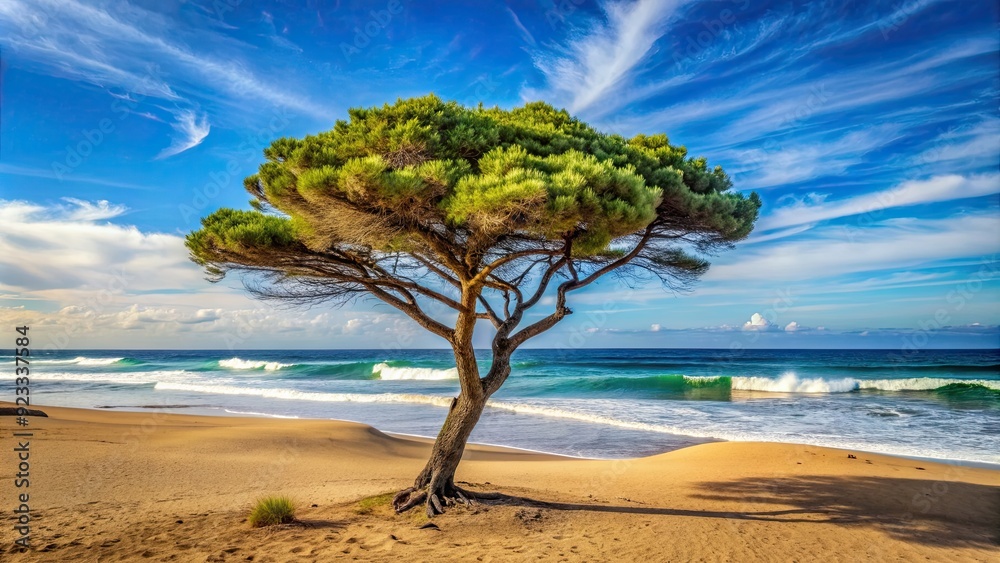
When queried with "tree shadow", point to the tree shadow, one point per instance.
{"points": [[937, 513]]}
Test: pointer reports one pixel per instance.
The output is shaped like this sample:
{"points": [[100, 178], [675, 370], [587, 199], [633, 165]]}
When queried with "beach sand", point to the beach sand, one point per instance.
{"points": [[122, 486]]}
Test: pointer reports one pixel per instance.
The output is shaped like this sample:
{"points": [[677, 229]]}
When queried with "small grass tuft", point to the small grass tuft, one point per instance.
{"points": [[368, 505], [272, 510]]}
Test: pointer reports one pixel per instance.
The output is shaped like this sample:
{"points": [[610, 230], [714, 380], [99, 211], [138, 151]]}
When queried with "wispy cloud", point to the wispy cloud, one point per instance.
{"points": [[594, 65], [191, 131], [814, 208], [81, 210], [886, 245], [965, 147], [126, 48], [781, 164], [75, 178], [528, 38]]}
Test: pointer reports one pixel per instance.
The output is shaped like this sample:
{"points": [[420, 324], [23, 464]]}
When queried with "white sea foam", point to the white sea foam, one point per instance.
{"points": [[129, 378], [922, 383], [700, 430], [293, 394], [791, 383], [82, 361], [236, 363], [390, 373]]}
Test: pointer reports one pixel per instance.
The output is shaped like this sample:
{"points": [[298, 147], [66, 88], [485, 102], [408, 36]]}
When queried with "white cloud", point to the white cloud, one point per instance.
{"points": [[815, 208], [977, 145], [46, 248], [655, 328], [114, 286], [192, 130], [125, 48], [791, 163], [595, 65], [525, 34], [792, 327], [87, 211], [886, 245], [758, 322]]}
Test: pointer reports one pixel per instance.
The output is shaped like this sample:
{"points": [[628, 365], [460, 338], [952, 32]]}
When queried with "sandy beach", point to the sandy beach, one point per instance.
{"points": [[127, 486]]}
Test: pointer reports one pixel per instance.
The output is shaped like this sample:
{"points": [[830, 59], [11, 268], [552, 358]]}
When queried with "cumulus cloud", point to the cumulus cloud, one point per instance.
{"points": [[655, 328], [757, 322], [84, 252], [792, 327]]}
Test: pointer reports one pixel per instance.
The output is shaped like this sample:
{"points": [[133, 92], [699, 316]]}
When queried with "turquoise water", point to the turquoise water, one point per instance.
{"points": [[592, 403]]}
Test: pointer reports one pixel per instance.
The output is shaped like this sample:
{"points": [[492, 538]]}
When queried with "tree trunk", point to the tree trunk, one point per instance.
{"points": [[436, 483]]}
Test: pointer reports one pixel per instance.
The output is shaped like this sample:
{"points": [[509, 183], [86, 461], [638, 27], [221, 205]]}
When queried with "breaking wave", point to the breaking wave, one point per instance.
{"points": [[392, 373], [236, 363]]}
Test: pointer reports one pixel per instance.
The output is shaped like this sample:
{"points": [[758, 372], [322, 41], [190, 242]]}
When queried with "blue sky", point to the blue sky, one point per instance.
{"points": [[870, 130]]}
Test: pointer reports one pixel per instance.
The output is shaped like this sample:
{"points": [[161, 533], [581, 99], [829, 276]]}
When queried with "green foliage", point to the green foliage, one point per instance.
{"points": [[272, 510], [390, 178], [243, 236]]}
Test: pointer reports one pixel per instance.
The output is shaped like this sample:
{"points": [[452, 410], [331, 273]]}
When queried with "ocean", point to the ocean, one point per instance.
{"points": [[615, 403]]}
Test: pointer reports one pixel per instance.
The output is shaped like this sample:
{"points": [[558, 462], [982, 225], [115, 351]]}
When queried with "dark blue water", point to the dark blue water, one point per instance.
{"points": [[596, 403]]}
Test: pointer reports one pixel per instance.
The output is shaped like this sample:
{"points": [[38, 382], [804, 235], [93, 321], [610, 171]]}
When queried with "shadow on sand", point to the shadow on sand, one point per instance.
{"points": [[937, 513]]}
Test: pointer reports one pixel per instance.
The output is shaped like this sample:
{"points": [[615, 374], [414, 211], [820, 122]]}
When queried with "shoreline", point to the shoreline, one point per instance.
{"points": [[227, 414], [122, 486]]}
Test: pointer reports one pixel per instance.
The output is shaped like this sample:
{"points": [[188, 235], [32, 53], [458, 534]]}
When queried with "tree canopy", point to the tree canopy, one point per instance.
{"points": [[477, 197]]}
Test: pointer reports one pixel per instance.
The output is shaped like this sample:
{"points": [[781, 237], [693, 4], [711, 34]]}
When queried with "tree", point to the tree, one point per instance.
{"points": [[475, 211]]}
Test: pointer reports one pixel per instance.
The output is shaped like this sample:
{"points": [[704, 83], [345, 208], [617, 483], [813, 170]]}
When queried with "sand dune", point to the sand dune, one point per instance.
{"points": [[116, 486]]}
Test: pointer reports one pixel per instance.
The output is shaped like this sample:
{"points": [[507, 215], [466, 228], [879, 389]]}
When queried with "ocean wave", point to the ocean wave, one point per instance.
{"points": [[533, 409], [400, 373], [925, 384], [710, 387], [84, 361], [237, 363], [294, 394], [791, 383]]}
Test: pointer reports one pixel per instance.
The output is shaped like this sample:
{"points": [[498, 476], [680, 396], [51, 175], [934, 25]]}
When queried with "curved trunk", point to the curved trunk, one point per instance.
{"points": [[450, 443], [436, 483]]}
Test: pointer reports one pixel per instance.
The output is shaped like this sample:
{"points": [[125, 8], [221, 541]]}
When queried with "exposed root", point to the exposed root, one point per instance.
{"points": [[434, 506], [407, 499], [436, 501]]}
